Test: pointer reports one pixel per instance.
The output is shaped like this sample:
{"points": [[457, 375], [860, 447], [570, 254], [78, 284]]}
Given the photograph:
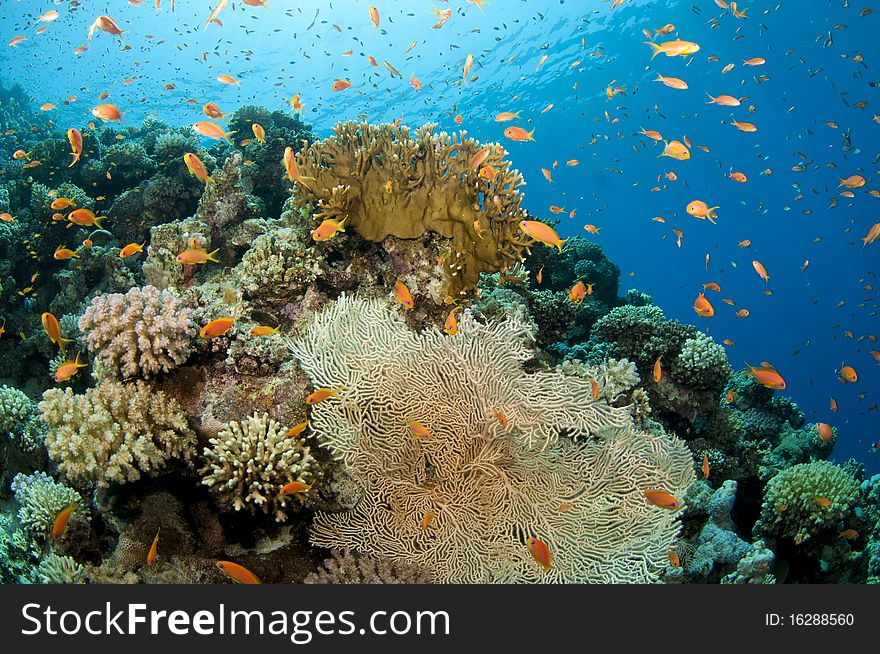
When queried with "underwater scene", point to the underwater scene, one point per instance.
{"points": [[466, 291]]}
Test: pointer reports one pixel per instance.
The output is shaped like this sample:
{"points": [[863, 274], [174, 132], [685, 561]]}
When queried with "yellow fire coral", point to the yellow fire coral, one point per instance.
{"points": [[391, 183], [462, 501]]}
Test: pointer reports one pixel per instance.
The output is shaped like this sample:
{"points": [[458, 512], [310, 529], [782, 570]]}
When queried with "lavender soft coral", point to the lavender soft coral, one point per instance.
{"points": [[137, 334]]}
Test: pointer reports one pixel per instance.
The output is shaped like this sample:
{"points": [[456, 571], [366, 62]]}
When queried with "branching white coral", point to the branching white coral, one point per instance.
{"points": [[249, 462], [489, 486], [138, 334], [40, 498], [114, 432]]}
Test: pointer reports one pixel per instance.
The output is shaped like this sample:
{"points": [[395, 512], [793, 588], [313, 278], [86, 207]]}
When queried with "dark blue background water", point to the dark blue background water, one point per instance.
{"points": [[292, 47]]}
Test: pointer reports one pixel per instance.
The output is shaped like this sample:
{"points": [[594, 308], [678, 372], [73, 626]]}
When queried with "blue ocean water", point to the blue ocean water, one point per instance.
{"points": [[819, 67]]}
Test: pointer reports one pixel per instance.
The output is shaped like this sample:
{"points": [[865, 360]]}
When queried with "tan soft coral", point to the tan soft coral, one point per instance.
{"points": [[391, 183]]}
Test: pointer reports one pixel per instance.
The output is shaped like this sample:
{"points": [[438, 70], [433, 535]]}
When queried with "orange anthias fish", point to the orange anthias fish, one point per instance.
{"points": [[542, 233], [540, 552], [705, 466], [322, 394], [848, 374], [59, 526], [130, 249], [853, 181], [418, 430], [259, 132], [153, 554], [297, 429], [68, 369], [238, 573], [295, 487], [329, 228], [374, 17], [105, 24], [212, 130], [212, 18], [724, 100], [197, 168], [450, 326], [701, 210], [62, 254], [676, 48], [658, 371], [577, 293], [264, 330], [672, 82], [675, 150], [823, 502], [211, 110], [401, 292], [826, 433], [662, 499], [76, 144], [504, 116], [703, 307], [519, 134], [340, 85], [197, 255], [107, 112], [766, 376], [761, 270], [217, 327], [53, 330], [61, 203]]}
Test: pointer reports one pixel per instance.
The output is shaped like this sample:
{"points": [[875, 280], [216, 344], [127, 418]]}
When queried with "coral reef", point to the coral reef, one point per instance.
{"points": [[250, 461], [138, 334], [355, 568], [434, 187], [40, 499], [115, 432], [19, 419], [473, 468], [807, 499]]}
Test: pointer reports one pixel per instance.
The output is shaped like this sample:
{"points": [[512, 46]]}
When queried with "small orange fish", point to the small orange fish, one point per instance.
{"points": [[130, 249], [761, 270], [577, 293], [674, 559], [519, 134], [217, 327], [675, 150], [68, 369], [295, 487], [832, 404], [658, 371], [61, 203], [59, 527], [848, 374], [329, 228], [212, 130], [259, 132], [192, 256], [426, 521], [823, 502], [297, 429], [848, 534], [662, 499], [418, 430], [703, 307], [53, 330], [705, 466], [825, 431], [322, 394], [595, 385], [238, 573], [739, 177], [153, 554], [450, 326], [541, 232], [340, 85], [62, 254], [540, 552], [767, 377], [264, 330], [107, 112], [401, 292]]}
